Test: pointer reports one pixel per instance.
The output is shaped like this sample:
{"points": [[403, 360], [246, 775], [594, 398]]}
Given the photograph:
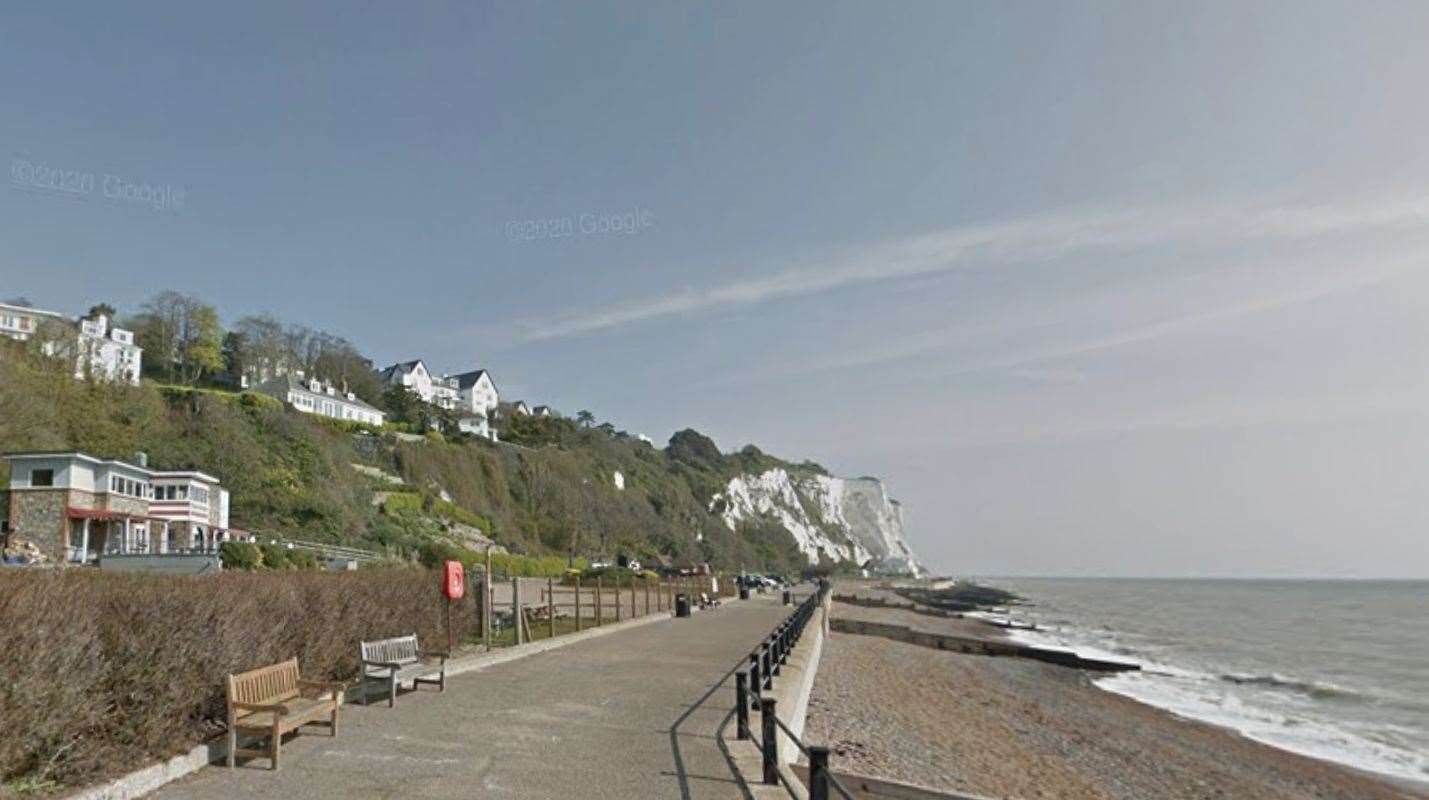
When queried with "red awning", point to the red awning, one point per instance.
{"points": [[94, 513]]}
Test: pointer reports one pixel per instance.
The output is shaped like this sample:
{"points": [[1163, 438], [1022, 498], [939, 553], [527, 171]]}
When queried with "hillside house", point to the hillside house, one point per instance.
{"points": [[544, 411], [476, 392], [472, 395], [78, 508], [313, 396], [100, 349], [516, 408], [413, 376]]}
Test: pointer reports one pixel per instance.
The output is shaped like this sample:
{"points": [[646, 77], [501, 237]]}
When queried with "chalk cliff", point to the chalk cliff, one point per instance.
{"points": [[834, 519]]}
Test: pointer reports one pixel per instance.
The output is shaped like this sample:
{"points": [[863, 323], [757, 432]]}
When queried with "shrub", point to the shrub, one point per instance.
{"points": [[104, 671], [403, 503], [240, 555], [302, 559], [433, 553], [275, 556]]}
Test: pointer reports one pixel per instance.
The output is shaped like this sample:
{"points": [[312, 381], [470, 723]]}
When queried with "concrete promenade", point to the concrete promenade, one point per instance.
{"points": [[629, 715]]}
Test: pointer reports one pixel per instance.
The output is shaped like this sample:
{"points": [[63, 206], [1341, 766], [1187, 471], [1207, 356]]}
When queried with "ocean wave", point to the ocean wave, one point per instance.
{"points": [[1315, 689]]}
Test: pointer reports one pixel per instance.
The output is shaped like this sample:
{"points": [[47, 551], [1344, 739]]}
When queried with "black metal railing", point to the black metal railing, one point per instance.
{"points": [[751, 684]]}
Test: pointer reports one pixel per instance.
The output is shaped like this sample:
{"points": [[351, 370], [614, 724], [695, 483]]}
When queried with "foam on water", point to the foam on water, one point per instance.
{"points": [[1331, 720]]}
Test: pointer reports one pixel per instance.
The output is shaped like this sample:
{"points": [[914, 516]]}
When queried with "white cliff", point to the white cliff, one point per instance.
{"points": [[837, 519]]}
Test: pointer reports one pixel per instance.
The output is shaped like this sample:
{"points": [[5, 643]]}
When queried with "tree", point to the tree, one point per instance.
{"points": [[585, 418], [182, 334], [101, 308]]}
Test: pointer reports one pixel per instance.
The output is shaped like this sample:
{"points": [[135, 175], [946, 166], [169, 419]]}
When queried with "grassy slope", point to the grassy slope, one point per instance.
{"points": [[289, 473]]}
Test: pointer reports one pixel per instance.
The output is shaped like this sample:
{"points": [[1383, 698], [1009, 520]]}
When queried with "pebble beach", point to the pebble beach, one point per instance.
{"points": [[1006, 727]]}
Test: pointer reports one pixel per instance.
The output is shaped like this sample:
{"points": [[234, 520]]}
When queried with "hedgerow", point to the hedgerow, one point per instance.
{"points": [[105, 672]]}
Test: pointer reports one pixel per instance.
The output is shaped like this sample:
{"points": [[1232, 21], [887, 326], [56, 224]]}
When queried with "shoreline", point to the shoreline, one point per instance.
{"points": [[1008, 727]]}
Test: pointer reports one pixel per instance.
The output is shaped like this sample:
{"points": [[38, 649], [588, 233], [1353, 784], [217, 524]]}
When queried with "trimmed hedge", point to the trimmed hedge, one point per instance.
{"points": [[104, 672]]}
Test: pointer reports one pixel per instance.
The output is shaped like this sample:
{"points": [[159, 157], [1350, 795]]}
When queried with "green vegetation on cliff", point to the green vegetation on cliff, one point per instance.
{"points": [[549, 489]]}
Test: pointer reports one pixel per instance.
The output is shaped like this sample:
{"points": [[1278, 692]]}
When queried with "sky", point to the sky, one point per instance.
{"points": [[1128, 289]]}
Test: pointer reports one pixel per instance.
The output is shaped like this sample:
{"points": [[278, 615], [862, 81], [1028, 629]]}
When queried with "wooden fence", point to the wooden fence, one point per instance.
{"points": [[541, 607]]}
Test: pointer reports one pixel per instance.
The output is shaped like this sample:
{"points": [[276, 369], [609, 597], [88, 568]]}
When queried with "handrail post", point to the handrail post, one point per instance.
{"points": [[776, 651], [741, 705], [818, 772], [764, 666], [770, 740], [755, 684]]}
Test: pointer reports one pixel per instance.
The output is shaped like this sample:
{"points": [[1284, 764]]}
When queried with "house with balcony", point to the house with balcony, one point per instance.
{"points": [[78, 508], [101, 350], [313, 396], [472, 395]]}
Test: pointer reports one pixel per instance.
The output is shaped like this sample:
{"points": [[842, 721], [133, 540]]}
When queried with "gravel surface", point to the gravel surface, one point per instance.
{"points": [[1007, 727]]}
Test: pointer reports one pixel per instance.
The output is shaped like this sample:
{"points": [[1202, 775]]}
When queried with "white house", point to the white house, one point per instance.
{"points": [[315, 397], [101, 350], [544, 411], [476, 392], [107, 352], [476, 425], [472, 395], [410, 374], [516, 408], [76, 507]]}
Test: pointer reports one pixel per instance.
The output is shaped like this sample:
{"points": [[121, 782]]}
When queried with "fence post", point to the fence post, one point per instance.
{"points": [[647, 596], [741, 704], [818, 772], [578, 604], [617, 598], [776, 655], [551, 604], [770, 740], [487, 595], [599, 584], [633, 612], [516, 607]]}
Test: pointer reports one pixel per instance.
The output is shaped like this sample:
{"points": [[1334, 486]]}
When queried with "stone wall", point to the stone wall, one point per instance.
{"points": [[38, 516]]}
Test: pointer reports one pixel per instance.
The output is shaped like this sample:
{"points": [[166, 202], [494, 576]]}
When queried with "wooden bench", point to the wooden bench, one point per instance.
{"points": [[272, 701], [398, 659]]}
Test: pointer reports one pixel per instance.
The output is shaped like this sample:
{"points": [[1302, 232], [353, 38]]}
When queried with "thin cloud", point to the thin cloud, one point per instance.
{"points": [[1025, 240]]}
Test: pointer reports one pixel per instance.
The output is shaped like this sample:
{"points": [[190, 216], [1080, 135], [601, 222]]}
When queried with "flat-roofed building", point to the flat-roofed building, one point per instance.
{"points": [[76, 508]]}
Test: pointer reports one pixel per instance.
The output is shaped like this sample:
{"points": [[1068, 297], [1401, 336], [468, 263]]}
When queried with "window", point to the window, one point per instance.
{"points": [[42, 477]]}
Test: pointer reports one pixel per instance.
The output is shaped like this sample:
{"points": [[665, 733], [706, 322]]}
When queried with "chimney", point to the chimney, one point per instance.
{"points": [[141, 459]]}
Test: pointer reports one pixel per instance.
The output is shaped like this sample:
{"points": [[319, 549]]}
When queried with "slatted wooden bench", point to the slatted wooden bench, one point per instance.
{"points": [[271, 701], [398, 659]]}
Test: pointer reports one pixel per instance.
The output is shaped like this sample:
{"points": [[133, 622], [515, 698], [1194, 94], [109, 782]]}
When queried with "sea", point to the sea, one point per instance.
{"points": [[1336, 670]]}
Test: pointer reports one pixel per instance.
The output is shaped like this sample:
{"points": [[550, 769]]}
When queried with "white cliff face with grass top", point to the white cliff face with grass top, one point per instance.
{"points": [[832, 519]]}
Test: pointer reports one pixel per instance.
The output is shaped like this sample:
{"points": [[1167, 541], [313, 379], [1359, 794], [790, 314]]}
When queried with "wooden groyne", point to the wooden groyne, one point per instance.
{"points": [[975, 646]]}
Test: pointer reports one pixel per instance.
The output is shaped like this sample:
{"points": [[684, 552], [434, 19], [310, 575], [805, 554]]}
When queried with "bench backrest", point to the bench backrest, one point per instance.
{"points": [[272, 684], [397, 650]]}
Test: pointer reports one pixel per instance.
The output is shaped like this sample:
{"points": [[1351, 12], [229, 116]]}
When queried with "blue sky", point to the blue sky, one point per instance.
{"points": [[1098, 288]]}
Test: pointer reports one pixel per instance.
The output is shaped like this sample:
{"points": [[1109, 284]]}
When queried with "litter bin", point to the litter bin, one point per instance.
{"points": [[788, 598], [682, 605], [744, 591]]}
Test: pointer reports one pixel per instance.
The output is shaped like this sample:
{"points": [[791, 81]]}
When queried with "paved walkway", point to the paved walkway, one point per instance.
{"points": [[629, 715]]}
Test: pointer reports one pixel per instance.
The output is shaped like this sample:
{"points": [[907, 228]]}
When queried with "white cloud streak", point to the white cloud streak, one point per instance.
{"points": [[1026, 240]]}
